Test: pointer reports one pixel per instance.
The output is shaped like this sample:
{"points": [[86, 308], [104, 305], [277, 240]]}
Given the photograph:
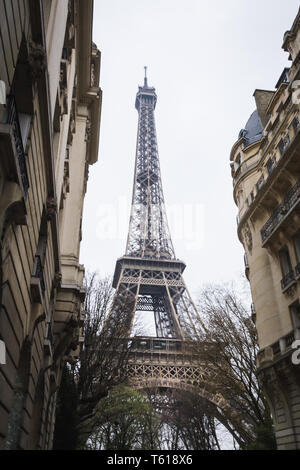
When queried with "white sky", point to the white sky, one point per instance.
{"points": [[205, 59]]}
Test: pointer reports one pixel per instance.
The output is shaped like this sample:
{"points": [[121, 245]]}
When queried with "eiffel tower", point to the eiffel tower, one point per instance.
{"points": [[148, 278]]}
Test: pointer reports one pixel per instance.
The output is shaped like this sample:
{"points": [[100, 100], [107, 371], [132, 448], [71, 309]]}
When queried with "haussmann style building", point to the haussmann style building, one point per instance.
{"points": [[265, 163], [50, 104]]}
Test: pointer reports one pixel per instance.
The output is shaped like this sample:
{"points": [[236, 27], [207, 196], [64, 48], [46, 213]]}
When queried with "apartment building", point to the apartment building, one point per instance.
{"points": [[50, 105]]}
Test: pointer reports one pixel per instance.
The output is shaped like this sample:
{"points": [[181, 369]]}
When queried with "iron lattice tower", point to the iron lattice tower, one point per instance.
{"points": [[149, 277]]}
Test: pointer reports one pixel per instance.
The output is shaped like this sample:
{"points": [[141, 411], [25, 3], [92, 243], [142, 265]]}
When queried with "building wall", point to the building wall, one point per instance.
{"points": [[49, 77], [266, 177]]}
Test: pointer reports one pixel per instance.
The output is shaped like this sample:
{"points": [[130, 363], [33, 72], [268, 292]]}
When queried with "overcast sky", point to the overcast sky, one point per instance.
{"points": [[205, 59]]}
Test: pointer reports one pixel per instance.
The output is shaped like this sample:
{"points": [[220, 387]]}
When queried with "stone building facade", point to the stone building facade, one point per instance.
{"points": [[265, 165], [50, 104]]}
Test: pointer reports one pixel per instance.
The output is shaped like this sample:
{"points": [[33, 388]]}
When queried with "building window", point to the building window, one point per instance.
{"points": [[295, 315], [296, 124], [271, 164], [286, 268], [284, 143], [296, 241], [260, 182], [24, 121]]}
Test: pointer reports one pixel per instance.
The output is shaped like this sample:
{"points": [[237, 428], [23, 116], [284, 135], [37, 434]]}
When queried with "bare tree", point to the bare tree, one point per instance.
{"points": [[187, 422], [195, 422], [227, 344], [103, 359], [102, 363]]}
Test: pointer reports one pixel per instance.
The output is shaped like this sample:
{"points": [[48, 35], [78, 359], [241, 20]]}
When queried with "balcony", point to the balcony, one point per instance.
{"points": [[11, 139], [278, 348], [281, 212], [141, 344], [287, 280]]}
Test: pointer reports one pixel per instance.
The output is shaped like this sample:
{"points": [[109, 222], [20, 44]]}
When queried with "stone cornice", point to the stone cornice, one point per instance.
{"points": [[89, 93]]}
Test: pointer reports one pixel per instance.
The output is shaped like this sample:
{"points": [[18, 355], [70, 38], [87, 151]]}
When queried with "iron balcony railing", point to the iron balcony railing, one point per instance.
{"points": [[13, 120], [157, 344], [289, 339], [287, 279], [290, 201], [276, 348]]}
